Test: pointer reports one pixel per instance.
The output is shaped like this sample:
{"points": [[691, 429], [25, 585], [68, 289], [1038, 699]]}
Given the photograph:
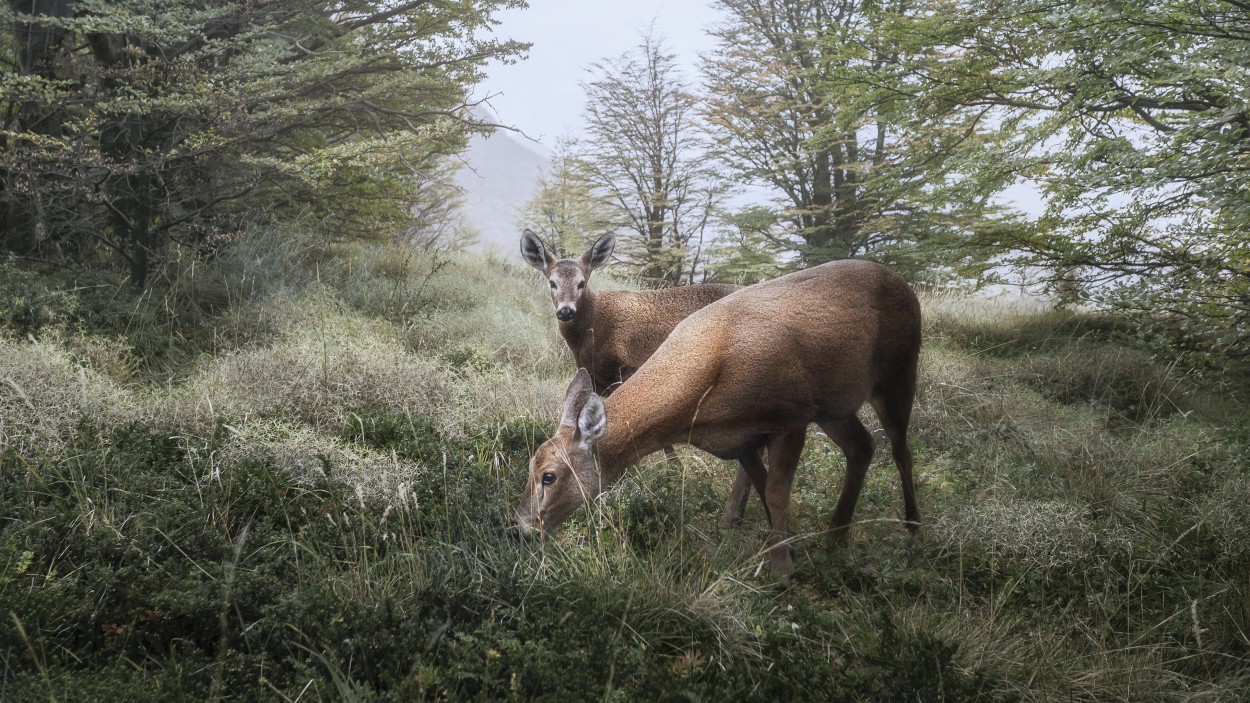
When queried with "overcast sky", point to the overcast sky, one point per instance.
{"points": [[541, 95]]}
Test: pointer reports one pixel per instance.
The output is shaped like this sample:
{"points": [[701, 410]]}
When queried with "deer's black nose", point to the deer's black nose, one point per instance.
{"points": [[565, 313]]}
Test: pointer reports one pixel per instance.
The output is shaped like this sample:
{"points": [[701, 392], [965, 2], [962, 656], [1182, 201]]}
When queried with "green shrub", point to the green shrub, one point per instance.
{"points": [[27, 306]]}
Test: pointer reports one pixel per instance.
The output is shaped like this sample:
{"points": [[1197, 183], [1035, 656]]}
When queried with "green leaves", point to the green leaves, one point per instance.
{"points": [[127, 125], [1132, 117], [842, 109], [646, 157], [566, 212]]}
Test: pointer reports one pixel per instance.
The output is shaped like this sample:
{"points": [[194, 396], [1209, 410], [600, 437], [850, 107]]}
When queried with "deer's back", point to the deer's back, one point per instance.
{"points": [[807, 346], [631, 325]]}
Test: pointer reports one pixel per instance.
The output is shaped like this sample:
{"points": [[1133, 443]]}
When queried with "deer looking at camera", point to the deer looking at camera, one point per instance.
{"points": [[611, 333], [751, 370]]}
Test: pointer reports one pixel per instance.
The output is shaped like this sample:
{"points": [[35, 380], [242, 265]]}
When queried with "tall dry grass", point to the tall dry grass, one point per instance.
{"points": [[45, 394]]}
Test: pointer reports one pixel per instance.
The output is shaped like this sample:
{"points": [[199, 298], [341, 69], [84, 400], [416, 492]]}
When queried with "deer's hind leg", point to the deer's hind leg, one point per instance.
{"points": [[751, 472], [894, 414], [856, 443]]}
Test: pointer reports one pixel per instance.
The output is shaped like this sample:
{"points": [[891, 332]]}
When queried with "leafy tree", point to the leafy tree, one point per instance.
{"points": [[566, 212], [434, 221], [763, 98], [647, 156], [1133, 118], [751, 247], [128, 124], [811, 100]]}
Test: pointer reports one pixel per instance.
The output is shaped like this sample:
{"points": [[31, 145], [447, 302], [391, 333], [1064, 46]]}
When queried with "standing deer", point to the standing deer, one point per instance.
{"points": [[612, 333], [751, 370]]}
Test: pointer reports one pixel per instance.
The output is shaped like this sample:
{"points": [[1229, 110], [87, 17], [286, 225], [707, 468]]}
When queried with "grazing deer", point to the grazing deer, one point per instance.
{"points": [[612, 333], [749, 371]]}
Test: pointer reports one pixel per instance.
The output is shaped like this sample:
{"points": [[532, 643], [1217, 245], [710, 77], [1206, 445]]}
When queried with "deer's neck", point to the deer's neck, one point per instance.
{"points": [[641, 420]]}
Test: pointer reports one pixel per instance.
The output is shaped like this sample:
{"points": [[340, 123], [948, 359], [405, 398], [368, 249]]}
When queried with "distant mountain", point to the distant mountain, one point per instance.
{"points": [[501, 175]]}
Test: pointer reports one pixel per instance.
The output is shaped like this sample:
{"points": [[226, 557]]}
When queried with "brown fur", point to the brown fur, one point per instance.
{"points": [[613, 333], [749, 371]]}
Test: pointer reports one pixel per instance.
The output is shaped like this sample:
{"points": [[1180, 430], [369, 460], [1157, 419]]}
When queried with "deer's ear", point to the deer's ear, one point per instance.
{"points": [[534, 253], [575, 398], [599, 253], [592, 420]]}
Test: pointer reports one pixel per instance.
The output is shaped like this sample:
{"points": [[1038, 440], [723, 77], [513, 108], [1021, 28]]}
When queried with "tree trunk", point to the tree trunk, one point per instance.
{"points": [[141, 235]]}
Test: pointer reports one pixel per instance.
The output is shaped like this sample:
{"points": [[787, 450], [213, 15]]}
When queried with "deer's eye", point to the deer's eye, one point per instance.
{"points": [[553, 285], [581, 285], [549, 478]]}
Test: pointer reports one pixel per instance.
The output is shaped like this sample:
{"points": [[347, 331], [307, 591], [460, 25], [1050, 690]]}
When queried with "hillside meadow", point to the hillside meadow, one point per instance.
{"points": [[284, 475]]}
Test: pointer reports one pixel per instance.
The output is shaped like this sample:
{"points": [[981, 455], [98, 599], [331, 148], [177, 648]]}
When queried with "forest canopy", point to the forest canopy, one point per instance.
{"points": [[129, 124]]}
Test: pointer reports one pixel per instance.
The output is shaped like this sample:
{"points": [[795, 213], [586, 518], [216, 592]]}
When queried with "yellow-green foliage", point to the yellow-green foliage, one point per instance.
{"points": [[317, 372], [318, 335]]}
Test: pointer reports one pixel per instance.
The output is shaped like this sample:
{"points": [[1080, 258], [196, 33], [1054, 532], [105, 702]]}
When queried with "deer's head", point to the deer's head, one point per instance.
{"points": [[568, 278], [564, 472]]}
